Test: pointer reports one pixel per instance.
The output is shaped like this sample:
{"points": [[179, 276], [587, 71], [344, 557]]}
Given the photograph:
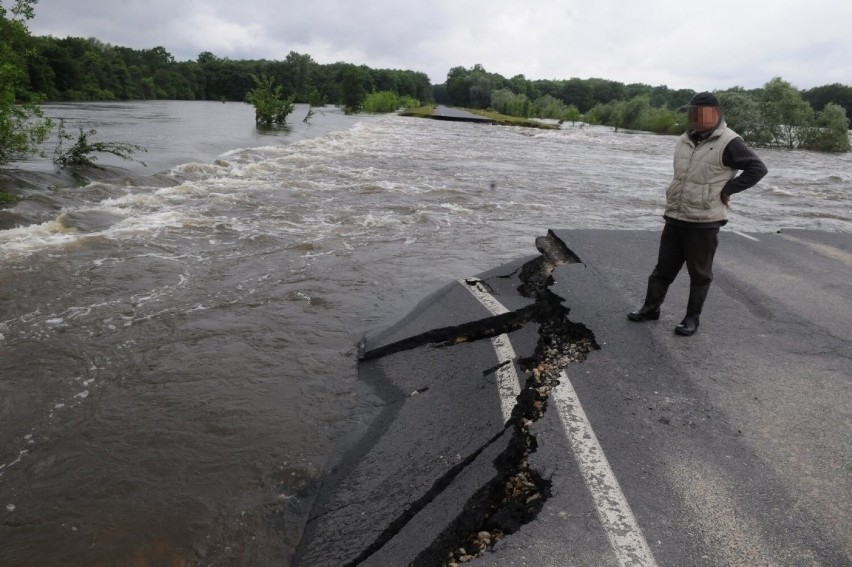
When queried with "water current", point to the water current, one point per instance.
{"points": [[177, 340]]}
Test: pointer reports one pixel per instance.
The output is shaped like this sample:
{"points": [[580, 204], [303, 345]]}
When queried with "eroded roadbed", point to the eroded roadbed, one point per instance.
{"points": [[516, 417]]}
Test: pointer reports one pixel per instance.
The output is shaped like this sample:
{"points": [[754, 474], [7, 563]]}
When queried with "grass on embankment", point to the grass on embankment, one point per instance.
{"points": [[496, 117]]}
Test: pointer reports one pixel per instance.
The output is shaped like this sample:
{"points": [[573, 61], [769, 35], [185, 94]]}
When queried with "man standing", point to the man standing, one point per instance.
{"points": [[706, 160]]}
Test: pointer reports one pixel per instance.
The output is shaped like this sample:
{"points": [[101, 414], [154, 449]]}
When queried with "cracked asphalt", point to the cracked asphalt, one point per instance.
{"points": [[731, 447]]}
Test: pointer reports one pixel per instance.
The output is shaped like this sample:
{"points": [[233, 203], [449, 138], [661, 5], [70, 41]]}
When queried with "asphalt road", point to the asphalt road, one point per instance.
{"points": [[497, 425], [449, 113]]}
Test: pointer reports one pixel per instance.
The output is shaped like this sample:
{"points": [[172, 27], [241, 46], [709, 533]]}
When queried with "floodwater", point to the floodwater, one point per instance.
{"points": [[177, 341]]}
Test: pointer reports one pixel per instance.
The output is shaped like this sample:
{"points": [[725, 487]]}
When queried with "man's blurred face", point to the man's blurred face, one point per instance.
{"points": [[703, 118]]}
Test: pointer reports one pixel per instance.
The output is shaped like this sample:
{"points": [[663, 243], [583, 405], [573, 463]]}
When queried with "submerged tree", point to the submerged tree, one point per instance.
{"points": [[82, 152], [269, 105], [785, 112], [831, 131], [778, 116], [353, 91], [841, 95], [743, 114]]}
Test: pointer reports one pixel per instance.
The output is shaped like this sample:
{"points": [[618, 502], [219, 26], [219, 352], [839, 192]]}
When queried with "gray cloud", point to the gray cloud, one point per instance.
{"points": [[728, 43]]}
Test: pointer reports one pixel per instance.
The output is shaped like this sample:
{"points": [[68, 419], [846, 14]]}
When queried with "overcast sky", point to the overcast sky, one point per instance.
{"points": [[694, 45]]}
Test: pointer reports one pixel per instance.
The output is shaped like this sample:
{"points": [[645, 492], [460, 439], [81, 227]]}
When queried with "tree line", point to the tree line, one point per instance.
{"points": [[775, 115], [74, 69], [77, 69]]}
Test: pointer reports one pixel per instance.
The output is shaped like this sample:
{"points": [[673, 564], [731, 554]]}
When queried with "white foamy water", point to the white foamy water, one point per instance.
{"points": [[402, 175]]}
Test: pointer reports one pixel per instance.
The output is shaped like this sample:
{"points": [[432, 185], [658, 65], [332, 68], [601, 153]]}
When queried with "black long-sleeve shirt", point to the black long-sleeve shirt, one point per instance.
{"points": [[737, 155]]}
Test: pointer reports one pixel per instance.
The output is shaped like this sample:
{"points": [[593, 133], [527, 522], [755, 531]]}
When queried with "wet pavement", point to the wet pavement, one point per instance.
{"points": [[517, 417], [442, 112]]}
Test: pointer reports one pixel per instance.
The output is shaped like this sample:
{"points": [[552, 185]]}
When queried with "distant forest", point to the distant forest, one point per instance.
{"points": [[78, 69]]}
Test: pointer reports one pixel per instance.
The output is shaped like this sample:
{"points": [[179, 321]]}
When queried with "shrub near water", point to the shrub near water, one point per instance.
{"points": [[388, 101], [830, 132], [270, 105]]}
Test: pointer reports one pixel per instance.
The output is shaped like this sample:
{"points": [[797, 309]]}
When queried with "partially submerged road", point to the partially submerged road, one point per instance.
{"points": [[517, 418], [449, 113]]}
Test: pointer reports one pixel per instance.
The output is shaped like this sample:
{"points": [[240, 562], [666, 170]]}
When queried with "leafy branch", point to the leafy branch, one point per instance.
{"points": [[82, 152]]}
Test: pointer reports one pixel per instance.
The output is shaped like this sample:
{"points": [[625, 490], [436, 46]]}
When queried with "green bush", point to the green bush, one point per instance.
{"points": [[408, 102], [743, 114], [831, 131], [315, 98], [384, 101], [388, 101], [269, 106], [663, 121], [507, 102], [571, 113], [548, 106]]}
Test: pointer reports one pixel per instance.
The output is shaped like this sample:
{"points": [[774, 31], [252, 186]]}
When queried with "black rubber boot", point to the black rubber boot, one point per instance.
{"points": [[697, 295], [650, 310]]}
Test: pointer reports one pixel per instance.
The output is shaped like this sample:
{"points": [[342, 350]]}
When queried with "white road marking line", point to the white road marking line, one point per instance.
{"points": [[824, 249], [484, 296], [508, 382], [744, 235], [613, 510]]}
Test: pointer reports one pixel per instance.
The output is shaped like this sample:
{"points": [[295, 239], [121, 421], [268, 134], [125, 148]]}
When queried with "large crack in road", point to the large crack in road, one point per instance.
{"points": [[517, 492]]}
